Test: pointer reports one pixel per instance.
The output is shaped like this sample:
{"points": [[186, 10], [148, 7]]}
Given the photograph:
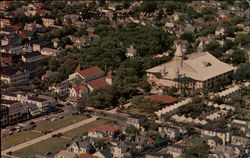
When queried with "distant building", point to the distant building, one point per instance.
{"points": [[131, 52]]}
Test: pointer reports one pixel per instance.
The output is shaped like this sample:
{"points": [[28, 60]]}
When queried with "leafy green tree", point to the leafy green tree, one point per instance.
{"points": [[214, 48], [239, 57], [197, 151], [132, 130], [243, 73], [189, 36]]}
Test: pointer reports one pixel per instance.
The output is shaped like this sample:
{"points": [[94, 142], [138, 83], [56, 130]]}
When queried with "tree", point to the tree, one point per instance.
{"points": [[243, 73], [132, 130], [214, 48], [197, 151], [239, 57], [189, 36]]}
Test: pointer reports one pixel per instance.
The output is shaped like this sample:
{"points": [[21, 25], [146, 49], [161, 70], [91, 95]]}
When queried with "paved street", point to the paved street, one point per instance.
{"points": [[47, 136]]}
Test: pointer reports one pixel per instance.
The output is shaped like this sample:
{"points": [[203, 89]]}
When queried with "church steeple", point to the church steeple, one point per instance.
{"points": [[178, 52], [201, 47]]}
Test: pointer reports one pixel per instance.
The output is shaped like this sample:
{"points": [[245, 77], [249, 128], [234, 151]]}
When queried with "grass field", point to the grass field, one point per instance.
{"points": [[49, 145], [18, 138], [66, 121], [83, 130]]}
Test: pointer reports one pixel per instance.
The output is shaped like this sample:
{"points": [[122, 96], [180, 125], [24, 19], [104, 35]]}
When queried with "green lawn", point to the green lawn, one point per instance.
{"points": [[18, 138], [83, 130], [66, 121], [49, 145]]}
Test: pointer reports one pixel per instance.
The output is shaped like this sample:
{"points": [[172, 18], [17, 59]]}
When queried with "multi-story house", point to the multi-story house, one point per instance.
{"points": [[48, 22], [222, 134], [42, 102], [31, 57], [11, 75], [61, 89], [16, 111]]}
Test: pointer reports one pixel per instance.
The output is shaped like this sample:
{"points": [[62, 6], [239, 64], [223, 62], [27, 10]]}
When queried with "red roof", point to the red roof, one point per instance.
{"points": [[98, 83], [198, 21], [78, 88], [14, 27], [179, 26], [89, 72], [39, 11], [6, 3], [87, 156], [213, 22], [166, 99], [105, 128], [227, 19], [22, 35]]}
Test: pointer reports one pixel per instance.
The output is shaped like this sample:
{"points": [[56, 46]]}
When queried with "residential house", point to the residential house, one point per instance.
{"points": [[48, 22], [50, 52], [98, 83], [220, 31], [12, 75], [171, 132], [27, 34], [120, 150], [4, 22], [16, 111], [32, 56], [61, 89], [65, 154], [213, 142], [40, 44], [136, 120], [103, 154], [239, 140], [78, 91], [7, 31], [224, 151], [32, 27], [10, 58], [48, 74], [11, 39], [41, 101], [104, 131], [175, 150], [131, 52], [222, 134], [4, 115], [84, 146], [90, 31], [12, 49]]}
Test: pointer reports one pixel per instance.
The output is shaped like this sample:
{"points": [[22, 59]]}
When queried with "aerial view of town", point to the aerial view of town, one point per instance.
{"points": [[125, 79]]}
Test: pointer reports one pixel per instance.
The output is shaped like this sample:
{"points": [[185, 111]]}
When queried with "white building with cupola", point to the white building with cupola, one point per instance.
{"points": [[198, 70]]}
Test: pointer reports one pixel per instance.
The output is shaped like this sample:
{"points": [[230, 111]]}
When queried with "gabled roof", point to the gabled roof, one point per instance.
{"points": [[98, 83], [79, 88], [89, 72]]}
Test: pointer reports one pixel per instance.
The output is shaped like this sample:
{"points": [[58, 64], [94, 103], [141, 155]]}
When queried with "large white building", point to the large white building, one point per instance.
{"points": [[198, 70]]}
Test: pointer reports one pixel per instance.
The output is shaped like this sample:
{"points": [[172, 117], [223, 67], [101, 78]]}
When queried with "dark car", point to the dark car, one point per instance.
{"points": [[59, 135]]}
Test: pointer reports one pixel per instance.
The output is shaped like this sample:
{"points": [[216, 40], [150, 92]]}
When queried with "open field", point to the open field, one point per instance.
{"points": [[18, 138], [83, 130], [49, 145], [66, 121]]}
